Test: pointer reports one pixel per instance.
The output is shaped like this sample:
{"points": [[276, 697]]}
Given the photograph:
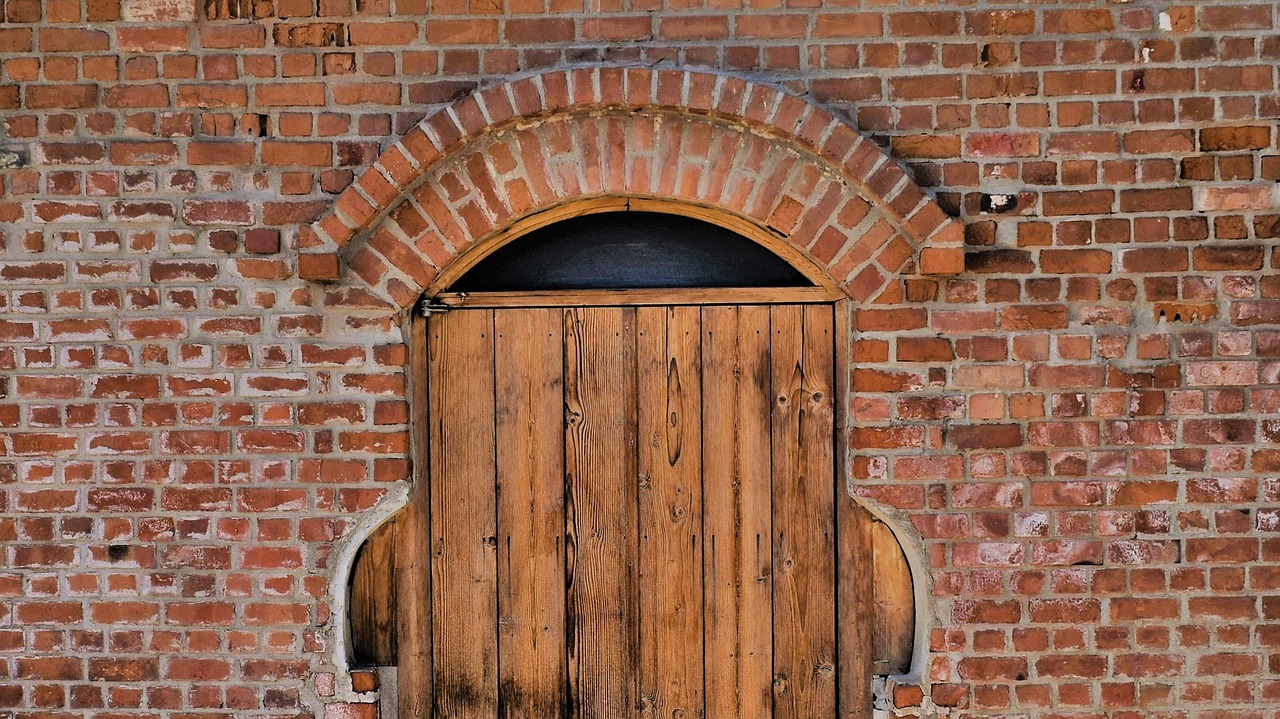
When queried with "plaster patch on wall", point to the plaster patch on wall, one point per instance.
{"points": [[343, 559], [158, 10]]}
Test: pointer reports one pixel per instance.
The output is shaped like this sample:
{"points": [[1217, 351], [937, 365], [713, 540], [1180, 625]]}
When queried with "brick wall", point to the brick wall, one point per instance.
{"points": [[1083, 427]]}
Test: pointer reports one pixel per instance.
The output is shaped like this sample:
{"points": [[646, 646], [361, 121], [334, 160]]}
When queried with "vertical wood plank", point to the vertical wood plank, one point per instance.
{"points": [[669, 409], [413, 539], [737, 545], [600, 512], [530, 471], [803, 512], [893, 625], [463, 513], [373, 599], [855, 599], [854, 573]]}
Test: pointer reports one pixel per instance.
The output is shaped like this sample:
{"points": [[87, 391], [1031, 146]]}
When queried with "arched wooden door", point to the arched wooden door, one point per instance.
{"points": [[635, 511]]}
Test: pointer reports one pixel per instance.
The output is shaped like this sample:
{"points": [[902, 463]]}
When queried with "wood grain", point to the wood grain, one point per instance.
{"points": [[373, 600], [803, 513], [893, 630], [737, 549], [856, 604], [528, 370], [634, 510], [463, 516], [413, 537], [600, 496], [668, 344]]}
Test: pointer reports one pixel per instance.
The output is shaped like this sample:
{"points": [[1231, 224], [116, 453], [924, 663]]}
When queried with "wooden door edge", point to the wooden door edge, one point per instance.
{"points": [[413, 580]]}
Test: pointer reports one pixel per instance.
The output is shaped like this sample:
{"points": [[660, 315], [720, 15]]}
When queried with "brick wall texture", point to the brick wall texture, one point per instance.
{"points": [[1080, 423]]}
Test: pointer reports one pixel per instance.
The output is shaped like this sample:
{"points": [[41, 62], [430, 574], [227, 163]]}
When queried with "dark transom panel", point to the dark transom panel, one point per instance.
{"points": [[629, 250]]}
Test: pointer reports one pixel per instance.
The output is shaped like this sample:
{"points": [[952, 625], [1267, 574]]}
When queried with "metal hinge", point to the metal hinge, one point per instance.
{"points": [[428, 308]]}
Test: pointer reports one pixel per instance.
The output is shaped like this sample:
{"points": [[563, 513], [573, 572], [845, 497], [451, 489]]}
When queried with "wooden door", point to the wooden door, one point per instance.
{"points": [[633, 511]]}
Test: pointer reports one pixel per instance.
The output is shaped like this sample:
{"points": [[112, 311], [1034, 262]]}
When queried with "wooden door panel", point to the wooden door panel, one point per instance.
{"points": [[738, 549], [529, 395], [670, 510], [633, 511], [803, 513], [600, 498], [463, 517]]}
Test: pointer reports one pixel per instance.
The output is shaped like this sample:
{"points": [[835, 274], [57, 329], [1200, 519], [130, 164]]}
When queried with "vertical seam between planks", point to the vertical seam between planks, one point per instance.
{"points": [[639, 525], [836, 530], [773, 569], [702, 490], [568, 704], [429, 468], [497, 526], [635, 483], [702, 498]]}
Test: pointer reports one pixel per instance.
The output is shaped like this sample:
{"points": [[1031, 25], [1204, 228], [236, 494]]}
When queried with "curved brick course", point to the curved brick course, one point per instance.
{"points": [[465, 173]]}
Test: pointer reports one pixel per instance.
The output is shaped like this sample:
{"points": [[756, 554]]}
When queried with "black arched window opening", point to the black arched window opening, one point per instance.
{"points": [[629, 250]]}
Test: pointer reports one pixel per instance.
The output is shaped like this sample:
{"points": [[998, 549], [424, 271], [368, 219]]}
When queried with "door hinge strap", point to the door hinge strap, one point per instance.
{"points": [[428, 308]]}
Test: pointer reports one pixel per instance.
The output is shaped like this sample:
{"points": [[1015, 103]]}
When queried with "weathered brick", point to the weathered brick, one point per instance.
{"points": [[1069, 402]]}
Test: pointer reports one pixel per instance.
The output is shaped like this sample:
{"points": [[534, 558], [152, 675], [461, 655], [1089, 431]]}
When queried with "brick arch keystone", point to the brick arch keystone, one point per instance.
{"points": [[719, 146]]}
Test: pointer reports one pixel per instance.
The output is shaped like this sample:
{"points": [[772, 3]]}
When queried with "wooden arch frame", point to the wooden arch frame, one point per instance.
{"points": [[786, 169]]}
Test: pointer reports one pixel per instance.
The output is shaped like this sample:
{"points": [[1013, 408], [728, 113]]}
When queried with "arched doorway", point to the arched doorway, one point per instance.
{"points": [[632, 501]]}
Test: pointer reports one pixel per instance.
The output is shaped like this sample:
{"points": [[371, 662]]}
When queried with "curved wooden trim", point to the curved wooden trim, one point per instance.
{"points": [[592, 205], [610, 298]]}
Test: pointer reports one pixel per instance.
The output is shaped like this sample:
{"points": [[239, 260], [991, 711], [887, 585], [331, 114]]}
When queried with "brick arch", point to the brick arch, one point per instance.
{"points": [[715, 146]]}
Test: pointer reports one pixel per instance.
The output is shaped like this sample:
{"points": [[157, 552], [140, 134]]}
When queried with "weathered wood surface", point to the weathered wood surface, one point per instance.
{"points": [[669, 414], [894, 625], [463, 517], [529, 394], [372, 609], [855, 579], [738, 547], [804, 636], [600, 496], [635, 511], [412, 580]]}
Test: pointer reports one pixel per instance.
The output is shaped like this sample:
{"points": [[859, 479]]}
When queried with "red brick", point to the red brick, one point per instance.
{"points": [[1075, 261], [53, 39], [926, 87], [50, 97], [985, 436], [1228, 257], [262, 241], [693, 27], [1080, 82], [462, 32], [1078, 22], [51, 669], [1248, 137], [1078, 202], [153, 39], [993, 668]]}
